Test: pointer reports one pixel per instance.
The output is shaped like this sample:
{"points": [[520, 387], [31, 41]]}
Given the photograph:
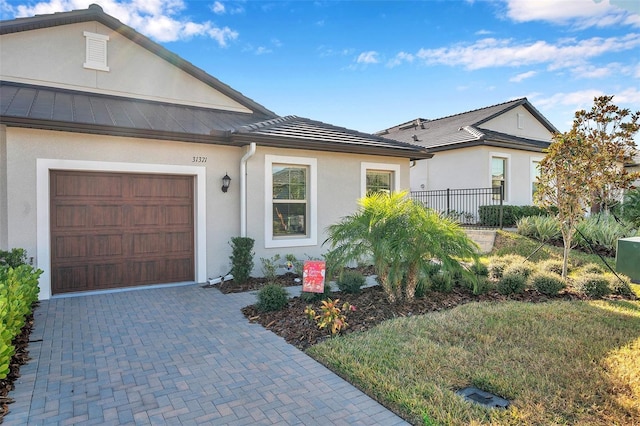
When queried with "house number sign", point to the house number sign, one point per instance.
{"points": [[198, 159]]}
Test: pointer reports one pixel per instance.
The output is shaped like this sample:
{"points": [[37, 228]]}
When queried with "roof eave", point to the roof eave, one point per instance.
{"points": [[217, 137], [306, 144]]}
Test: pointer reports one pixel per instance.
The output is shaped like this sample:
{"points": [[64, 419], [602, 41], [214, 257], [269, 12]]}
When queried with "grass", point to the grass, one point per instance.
{"points": [[558, 362]]}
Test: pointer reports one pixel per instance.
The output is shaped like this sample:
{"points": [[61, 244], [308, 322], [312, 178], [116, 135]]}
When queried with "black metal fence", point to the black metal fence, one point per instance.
{"points": [[473, 207]]}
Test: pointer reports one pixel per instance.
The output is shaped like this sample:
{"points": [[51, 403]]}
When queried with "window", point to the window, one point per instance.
{"points": [[379, 177], [379, 181], [535, 174], [290, 187], [96, 51], [498, 175], [289, 200]]}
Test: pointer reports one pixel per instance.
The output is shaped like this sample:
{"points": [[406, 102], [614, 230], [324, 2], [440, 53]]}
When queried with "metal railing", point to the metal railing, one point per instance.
{"points": [[471, 207]]}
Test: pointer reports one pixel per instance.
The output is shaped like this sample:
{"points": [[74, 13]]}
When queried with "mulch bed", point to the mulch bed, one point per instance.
{"points": [[372, 308], [20, 357]]}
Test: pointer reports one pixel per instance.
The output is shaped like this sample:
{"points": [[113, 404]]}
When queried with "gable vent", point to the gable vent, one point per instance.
{"points": [[96, 52]]}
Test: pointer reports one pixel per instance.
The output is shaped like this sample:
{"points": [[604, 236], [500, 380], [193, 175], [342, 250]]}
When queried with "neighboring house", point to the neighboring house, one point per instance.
{"points": [[487, 147], [113, 152]]}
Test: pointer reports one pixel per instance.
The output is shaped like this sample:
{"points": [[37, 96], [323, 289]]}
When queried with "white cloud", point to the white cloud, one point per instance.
{"points": [[218, 8], [261, 50], [483, 32], [491, 52], [523, 76], [580, 13], [400, 59], [158, 19], [370, 57]]}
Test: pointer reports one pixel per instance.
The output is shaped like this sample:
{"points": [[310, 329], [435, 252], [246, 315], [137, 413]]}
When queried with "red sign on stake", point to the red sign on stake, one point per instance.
{"points": [[313, 276]]}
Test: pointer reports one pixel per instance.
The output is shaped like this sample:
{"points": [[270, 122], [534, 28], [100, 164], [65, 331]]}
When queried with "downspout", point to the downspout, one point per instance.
{"points": [[243, 188]]}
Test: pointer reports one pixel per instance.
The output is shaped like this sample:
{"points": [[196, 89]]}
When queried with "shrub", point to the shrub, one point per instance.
{"points": [[270, 267], [497, 264], [241, 258], [309, 297], [490, 215], [631, 207], [541, 228], [13, 258], [296, 264], [551, 265], [548, 283], [590, 268], [272, 297], [18, 293], [602, 230], [479, 269], [512, 283], [332, 316], [593, 285], [442, 281], [351, 281], [620, 285], [524, 269]]}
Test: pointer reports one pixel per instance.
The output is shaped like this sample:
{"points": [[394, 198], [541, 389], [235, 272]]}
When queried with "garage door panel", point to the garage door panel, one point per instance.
{"points": [[119, 230], [165, 187], [107, 215], [71, 278], [70, 246], [147, 215], [178, 242], [107, 245], [81, 184], [71, 216], [179, 269], [179, 215], [109, 275]]}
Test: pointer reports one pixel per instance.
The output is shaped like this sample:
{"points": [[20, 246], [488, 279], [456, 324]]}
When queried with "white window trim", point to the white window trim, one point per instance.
{"points": [[311, 239], [520, 120], [43, 227], [532, 175], [507, 180], [385, 167], [99, 40]]}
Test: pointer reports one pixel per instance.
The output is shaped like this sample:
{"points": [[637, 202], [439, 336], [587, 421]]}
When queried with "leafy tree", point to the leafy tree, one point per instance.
{"points": [[564, 183], [401, 238], [610, 130]]}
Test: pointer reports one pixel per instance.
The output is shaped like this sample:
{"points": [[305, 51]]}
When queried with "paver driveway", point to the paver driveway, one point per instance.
{"points": [[174, 355]]}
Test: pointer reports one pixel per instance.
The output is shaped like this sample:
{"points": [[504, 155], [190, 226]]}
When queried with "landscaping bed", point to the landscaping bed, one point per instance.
{"points": [[372, 308]]}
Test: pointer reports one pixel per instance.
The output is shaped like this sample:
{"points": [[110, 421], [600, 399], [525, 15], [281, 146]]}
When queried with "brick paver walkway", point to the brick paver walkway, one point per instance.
{"points": [[174, 355]]}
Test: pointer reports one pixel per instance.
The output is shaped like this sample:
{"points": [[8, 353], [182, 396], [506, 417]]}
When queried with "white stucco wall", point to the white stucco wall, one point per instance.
{"points": [[30, 154], [55, 56], [527, 126], [471, 168]]}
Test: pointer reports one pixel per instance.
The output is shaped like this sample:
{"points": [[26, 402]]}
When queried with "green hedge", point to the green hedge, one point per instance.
{"points": [[18, 292], [490, 215]]}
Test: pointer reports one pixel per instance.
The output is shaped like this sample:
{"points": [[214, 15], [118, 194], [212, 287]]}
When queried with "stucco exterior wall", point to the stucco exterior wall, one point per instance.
{"points": [[30, 154], [471, 168], [4, 243], [55, 56], [508, 122]]}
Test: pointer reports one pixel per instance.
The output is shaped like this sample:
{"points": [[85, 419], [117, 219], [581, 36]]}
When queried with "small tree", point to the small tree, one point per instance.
{"points": [[565, 182], [401, 238], [241, 258], [609, 129]]}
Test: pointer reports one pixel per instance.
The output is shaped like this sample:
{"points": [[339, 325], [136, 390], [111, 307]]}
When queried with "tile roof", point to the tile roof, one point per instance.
{"points": [[310, 134], [465, 129]]}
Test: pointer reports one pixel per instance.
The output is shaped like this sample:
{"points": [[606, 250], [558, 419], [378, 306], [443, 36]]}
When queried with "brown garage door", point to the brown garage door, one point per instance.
{"points": [[112, 230]]}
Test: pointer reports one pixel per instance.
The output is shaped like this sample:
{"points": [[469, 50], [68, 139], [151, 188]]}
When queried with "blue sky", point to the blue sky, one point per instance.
{"points": [[369, 65]]}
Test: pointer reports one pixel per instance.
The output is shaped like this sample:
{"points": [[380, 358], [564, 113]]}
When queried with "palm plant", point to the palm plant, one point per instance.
{"points": [[401, 238]]}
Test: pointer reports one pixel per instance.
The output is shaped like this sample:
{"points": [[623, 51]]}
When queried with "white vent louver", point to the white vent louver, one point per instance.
{"points": [[96, 53]]}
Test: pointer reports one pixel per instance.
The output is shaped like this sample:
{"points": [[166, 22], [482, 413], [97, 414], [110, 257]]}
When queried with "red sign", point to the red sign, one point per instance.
{"points": [[313, 276]]}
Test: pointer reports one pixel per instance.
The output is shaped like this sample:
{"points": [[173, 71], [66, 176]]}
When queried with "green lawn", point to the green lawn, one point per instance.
{"points": [[558, 362]]}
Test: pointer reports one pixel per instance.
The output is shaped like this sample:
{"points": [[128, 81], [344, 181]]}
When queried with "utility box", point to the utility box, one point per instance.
{"points": [[628, 258]]}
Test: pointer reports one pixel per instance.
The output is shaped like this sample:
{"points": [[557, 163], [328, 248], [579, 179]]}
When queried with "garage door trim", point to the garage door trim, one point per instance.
{"points": [[43, 167]]}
